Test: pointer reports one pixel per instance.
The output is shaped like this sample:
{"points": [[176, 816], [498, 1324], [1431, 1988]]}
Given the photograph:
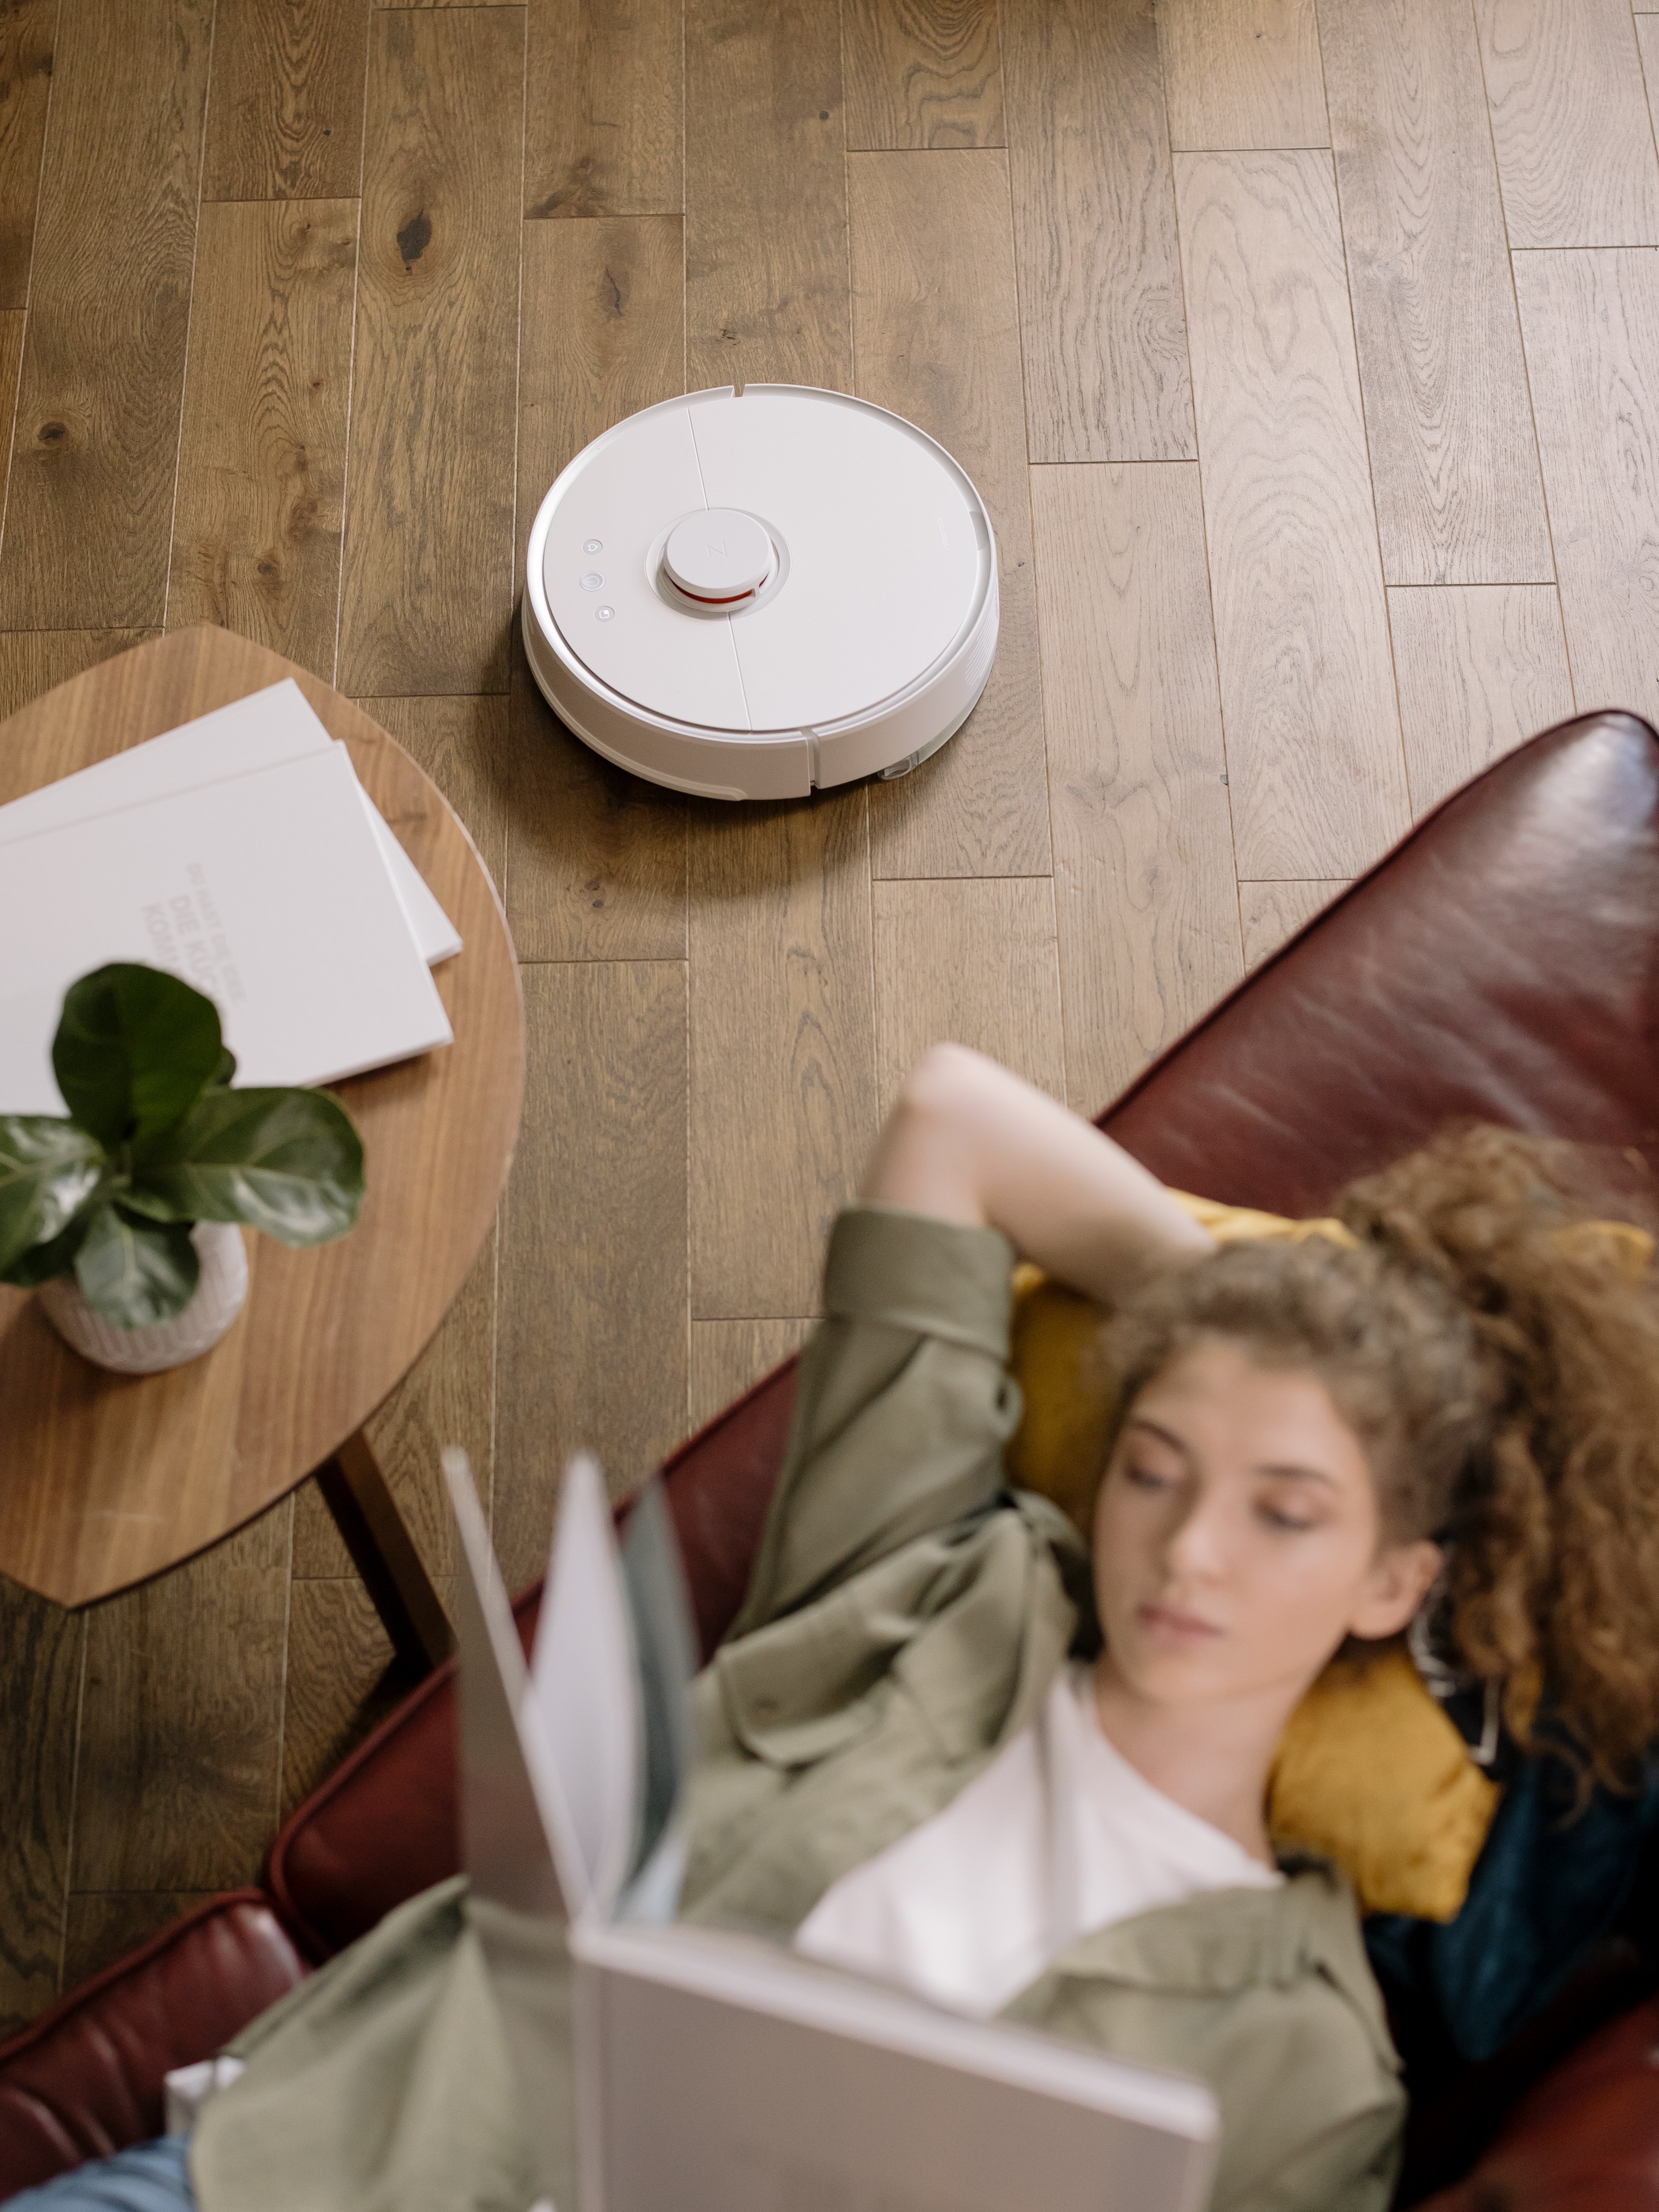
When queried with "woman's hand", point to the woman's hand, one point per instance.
{"points": [[966, 1141]]}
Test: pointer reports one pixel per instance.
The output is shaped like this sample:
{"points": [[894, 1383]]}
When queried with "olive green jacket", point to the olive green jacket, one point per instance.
{"points": [[905, 1619]]}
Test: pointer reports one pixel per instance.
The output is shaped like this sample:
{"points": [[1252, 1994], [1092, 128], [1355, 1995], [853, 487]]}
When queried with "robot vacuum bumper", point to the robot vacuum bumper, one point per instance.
{"points": [[750, 595]]}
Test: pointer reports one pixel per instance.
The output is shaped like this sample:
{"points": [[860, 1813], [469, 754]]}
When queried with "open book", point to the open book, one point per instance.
{"points": [[665, 2064]]}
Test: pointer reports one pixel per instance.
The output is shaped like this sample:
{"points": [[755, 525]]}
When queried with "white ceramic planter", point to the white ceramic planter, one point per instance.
{"points": [[218, 1300]]}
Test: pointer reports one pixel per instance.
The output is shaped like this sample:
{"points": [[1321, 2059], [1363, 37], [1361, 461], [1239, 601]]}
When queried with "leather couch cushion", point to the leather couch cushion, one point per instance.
{"points": [[384, 1825], [1586, 2139], [84, 2079], [1457, 2109], [1499, 963]]}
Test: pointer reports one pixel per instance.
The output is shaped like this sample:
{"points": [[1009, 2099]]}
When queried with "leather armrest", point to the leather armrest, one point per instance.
{"points": [[85, 2078], [1497, 964], [1585, 2139]]}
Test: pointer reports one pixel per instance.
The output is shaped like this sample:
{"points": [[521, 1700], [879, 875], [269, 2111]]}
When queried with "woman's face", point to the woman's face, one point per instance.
{"points": [[1238, 1538]]}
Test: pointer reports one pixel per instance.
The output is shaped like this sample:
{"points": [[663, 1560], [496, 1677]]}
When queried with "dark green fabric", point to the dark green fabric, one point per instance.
{"points": [[1550, 1883]]}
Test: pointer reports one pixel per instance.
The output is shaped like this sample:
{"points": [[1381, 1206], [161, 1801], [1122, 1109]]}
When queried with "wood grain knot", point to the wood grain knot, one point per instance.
{"points": [[414, 239], [581, 192]]}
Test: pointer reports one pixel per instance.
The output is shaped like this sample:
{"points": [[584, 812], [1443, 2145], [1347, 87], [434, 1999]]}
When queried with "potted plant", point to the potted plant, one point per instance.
{"points": [[123, 1212]]}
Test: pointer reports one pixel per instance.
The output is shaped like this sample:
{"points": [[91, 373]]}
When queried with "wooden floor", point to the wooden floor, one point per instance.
{"points": [[1307, 357]]}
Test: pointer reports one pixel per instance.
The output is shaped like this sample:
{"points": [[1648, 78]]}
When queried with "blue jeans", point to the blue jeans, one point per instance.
{"points": [[152, 2176]]}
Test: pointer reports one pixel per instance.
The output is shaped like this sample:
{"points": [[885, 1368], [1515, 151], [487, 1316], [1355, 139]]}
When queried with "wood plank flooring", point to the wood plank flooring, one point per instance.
{"points": [[1569, 123], [936, 338], [1456, 471], [1300, 621], [1106, 369], [1244, 76], [1145, 908], [256, 524], [426, 598], [1271, 913], [90, 492], [1307, 354], [285, 120], [26, 58]]}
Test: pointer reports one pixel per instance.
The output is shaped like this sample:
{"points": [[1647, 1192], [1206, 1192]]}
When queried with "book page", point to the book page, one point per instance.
{"points": [[516, 1836], [666, 1647], [521, 1861], [584, 1690]]}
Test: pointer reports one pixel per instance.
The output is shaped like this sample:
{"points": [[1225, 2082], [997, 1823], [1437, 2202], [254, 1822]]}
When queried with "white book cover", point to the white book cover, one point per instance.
{"points": [[718, 2073], [266, 892], [267, 726]]}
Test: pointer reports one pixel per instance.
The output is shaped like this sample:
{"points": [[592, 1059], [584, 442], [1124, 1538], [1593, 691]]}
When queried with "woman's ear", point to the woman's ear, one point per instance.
{"points": [[1400, 1577]]}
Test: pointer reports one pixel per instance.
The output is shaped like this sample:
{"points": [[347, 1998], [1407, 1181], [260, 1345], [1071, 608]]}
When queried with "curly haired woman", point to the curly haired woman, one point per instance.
{"points": [[924, 1761], [948, 1742]]}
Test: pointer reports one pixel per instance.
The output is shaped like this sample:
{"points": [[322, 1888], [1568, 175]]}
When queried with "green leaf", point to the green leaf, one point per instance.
{"points": [[136, 1273], [42, 1262], [134, 1048], [225, 1070], [48, 1168], [288, 1162]]}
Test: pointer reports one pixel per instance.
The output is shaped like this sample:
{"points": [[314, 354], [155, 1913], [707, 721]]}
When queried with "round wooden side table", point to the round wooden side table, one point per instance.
{"points": [[106, 1479]]}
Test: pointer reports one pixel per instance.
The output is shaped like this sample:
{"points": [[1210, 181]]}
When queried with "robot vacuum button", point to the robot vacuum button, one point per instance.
{"points": [[719, 555]]}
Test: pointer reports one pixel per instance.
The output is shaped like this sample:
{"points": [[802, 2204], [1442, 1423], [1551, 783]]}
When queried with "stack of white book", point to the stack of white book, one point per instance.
{"points": [[241, 852]]}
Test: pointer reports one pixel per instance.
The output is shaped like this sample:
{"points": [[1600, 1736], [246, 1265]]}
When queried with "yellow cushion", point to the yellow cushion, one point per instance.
{"points": [[1370, 1773], [1061, 1443]]}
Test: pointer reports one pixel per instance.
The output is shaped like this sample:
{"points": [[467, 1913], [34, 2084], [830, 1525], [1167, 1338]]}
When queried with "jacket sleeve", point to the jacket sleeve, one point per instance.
{"points": [[903, 1404]]}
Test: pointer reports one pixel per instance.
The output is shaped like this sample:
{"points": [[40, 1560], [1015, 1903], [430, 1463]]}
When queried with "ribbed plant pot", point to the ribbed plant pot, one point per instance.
{"points": [[218, 1300]]}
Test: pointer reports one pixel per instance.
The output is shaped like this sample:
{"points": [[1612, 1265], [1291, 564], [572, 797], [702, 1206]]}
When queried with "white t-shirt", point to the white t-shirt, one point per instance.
{"points": [[1059, 1835]]}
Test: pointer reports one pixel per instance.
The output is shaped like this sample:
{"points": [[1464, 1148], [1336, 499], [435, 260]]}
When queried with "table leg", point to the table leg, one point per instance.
{"points": [[383, 1551]]}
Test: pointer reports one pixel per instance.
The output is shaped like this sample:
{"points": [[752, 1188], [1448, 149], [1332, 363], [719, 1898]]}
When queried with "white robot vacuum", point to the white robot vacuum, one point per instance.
{"points": [[752, 593]]}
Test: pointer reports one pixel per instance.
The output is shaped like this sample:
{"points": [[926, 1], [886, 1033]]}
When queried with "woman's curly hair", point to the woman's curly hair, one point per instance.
{"points": [[1497, 1355]]}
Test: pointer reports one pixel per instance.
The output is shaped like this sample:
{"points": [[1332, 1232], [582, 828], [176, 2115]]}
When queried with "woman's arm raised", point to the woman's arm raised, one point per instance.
{"points": [[966, 1141]]}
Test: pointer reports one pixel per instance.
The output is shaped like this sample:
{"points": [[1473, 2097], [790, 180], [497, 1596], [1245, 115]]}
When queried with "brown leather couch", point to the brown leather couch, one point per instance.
{"points": [[1504, 963]]}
